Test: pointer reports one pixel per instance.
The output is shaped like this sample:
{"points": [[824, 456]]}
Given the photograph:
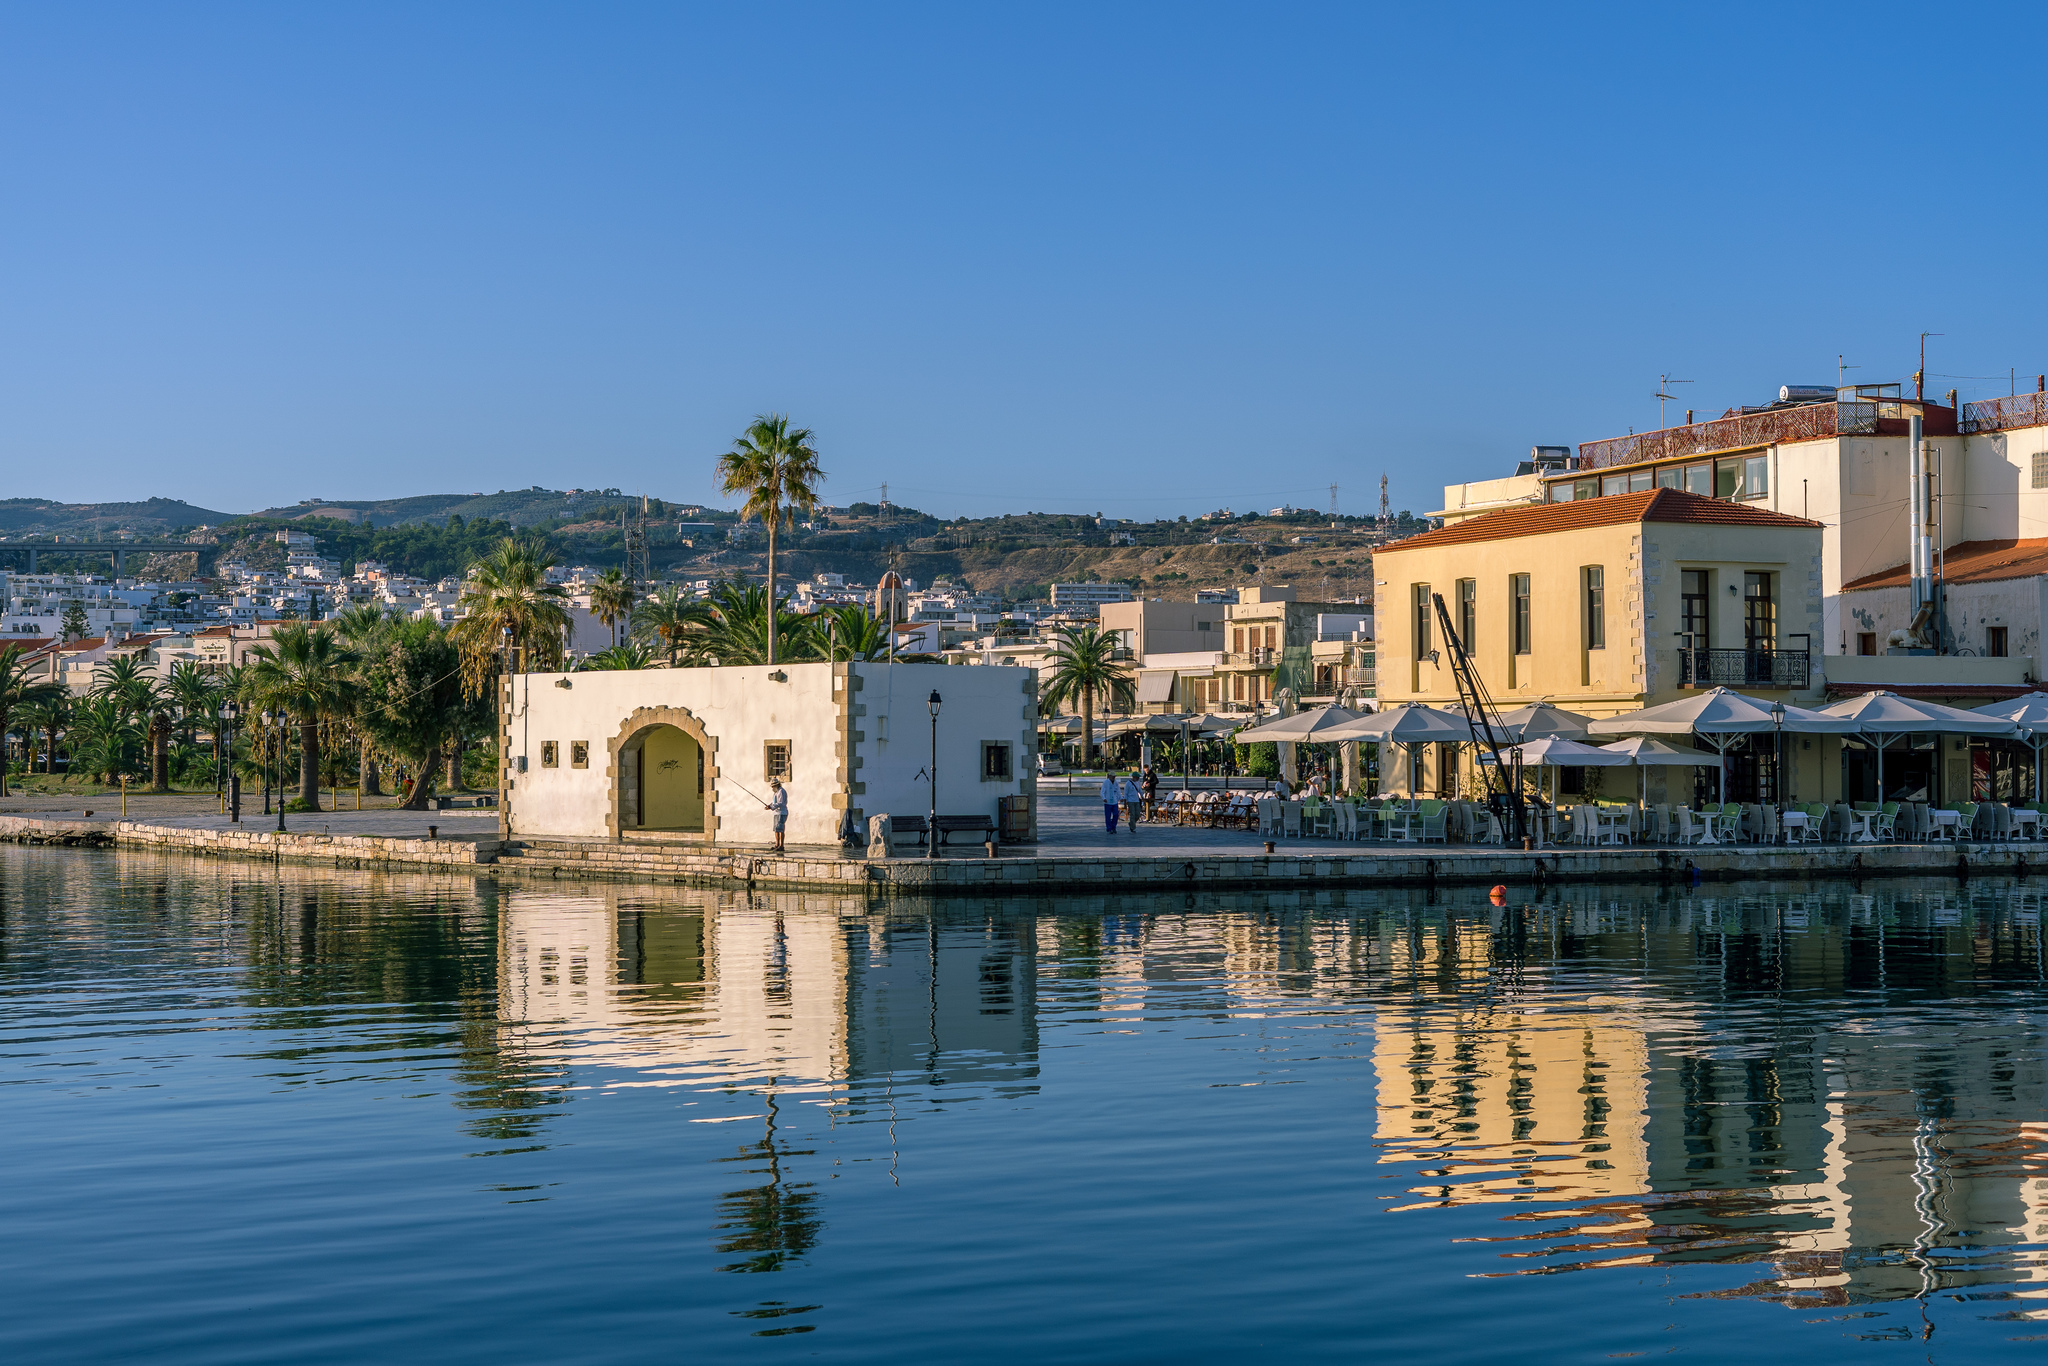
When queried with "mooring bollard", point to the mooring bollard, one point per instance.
{"points": [[433, 832]]}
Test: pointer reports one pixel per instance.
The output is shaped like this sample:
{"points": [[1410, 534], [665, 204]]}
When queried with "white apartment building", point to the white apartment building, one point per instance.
{"points": [[1087, 598]]}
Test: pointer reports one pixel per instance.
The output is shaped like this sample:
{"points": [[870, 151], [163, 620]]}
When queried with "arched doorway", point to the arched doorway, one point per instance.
{"points": [[664, 769]]}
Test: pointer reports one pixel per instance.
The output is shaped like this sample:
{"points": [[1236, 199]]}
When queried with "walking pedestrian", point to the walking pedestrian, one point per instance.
{"points": [[1152, 790], [778, 804], [1133, 800], [1112, 793]]}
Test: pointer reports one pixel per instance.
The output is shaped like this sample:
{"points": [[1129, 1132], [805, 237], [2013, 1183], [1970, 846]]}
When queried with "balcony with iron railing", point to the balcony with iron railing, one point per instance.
{"points": [[1265, 657], [2004, 414], [1808, 422], [1704, 668]]}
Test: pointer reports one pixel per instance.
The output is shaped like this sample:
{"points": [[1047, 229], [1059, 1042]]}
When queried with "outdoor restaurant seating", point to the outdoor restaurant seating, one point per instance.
{"points": [[1400, 820]]}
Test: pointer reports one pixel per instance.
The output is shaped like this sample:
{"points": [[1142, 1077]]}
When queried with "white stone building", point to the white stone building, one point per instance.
{"points": [[687, 753]]}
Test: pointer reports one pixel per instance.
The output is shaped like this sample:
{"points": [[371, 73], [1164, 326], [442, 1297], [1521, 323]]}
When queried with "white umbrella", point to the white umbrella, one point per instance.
{"points": [[1882, 715], [1718, 716], [1556, 752], [1302, 726], [1647, 753], [1407, 724], [1540, 719], [2030, 713]]}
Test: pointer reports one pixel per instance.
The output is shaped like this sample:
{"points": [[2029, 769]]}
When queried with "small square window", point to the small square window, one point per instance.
{"points": [[995, 761], [549, 753], [2041, 469], [579, 754], [775, 760]]}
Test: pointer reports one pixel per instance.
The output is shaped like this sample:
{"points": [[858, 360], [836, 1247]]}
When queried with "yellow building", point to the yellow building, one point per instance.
{"points": [[1606, 605]]}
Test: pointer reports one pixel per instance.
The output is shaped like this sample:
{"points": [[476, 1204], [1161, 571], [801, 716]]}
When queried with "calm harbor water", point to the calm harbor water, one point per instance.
{"points": [[272, 1116]]}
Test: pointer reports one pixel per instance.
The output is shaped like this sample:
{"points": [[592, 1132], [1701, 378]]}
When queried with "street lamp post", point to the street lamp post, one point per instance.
{"points": [[265, 720], [1778, 758], [230, 712], [280, 770], [931, 832]]}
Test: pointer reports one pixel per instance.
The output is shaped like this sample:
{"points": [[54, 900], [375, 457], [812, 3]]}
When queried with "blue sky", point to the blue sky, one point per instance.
{"points": [[1132, 259]]}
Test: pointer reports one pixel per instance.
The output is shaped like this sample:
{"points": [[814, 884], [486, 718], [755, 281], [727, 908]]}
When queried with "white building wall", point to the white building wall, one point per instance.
{"points": [[883, 724]]}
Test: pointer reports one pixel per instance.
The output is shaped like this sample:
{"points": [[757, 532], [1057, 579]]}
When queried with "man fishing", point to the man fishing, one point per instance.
{"points": [[778, 804]]}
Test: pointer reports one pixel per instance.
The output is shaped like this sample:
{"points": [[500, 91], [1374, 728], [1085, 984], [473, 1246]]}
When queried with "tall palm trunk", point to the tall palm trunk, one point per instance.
{"points": [[366, 770], [3, 753], [771, 588], [455, 753], [309, 764], [50, 752], [1087, 726], [159, 755]]}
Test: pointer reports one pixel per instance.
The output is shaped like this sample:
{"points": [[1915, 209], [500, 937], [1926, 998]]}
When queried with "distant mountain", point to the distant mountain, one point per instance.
{"points": [[41, 516], [520, 507]]}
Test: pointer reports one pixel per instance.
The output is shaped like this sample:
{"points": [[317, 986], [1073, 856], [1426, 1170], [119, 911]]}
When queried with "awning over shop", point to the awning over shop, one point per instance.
{"points": [[1155, 685]]}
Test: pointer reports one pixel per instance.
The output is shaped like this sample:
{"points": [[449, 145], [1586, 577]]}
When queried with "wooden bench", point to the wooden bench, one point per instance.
{"points": [[911, 829]]}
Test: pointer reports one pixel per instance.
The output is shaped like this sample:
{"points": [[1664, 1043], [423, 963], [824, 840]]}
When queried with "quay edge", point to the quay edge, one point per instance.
{"points": [[1020, 872]]}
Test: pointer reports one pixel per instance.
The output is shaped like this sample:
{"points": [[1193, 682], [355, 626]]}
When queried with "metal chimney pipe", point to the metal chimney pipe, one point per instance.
{"points": [[1916, 512]]}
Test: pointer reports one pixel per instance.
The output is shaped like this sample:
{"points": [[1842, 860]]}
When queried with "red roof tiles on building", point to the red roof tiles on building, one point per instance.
{"points": [[1971, 562], [1651, 505]]}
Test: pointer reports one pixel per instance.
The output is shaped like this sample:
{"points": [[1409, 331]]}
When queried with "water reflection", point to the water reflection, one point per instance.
{"points": [[1849, 1096], [1821, 1099]]}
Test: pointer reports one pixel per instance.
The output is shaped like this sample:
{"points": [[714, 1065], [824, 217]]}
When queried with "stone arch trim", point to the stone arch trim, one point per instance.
{"points": [[647, 718]]}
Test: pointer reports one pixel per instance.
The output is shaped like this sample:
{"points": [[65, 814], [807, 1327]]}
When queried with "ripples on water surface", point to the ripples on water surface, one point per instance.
{"points": [[313, 1116]]}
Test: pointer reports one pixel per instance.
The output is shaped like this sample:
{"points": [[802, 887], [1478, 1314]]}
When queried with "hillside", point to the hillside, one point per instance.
{"points": [[154, 516], [516, 507], [1017, 556]]}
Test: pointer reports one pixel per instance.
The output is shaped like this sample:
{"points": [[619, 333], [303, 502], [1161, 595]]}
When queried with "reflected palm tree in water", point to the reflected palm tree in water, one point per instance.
{"points": [[775, 1223]]}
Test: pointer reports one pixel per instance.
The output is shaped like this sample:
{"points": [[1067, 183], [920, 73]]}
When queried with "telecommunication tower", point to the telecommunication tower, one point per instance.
{"points": [[1386, 511], [633, 528]]}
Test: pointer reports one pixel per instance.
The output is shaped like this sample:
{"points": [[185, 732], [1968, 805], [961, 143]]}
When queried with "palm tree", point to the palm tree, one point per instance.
{"points": [[852, 632], [49, 716], [508, 591], [611, 600], [629, 654], [19, 692], [126, 680], [105, 741], [776, 468], [364, 626], [738, 629], [196, 694], [672, 618], [308, 672], [1085, 667]]}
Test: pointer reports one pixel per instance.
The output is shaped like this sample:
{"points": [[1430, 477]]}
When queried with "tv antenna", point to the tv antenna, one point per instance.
{"points": [[1665, 382], [1386, 511], [1842, 372], [1920, 375]]}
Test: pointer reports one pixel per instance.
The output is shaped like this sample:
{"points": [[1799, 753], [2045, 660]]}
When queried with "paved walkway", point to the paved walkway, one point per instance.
{"points": [[202, 811]]}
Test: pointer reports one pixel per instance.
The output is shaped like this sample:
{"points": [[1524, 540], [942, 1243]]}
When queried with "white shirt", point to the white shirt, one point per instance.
{"points": [[1132, 792], [778, 802], [1111, 794]]}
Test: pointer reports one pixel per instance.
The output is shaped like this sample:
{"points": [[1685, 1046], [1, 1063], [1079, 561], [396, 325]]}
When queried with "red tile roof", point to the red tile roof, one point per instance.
{"points": [[1934, 692], [1650, 505], [1971, 562]]}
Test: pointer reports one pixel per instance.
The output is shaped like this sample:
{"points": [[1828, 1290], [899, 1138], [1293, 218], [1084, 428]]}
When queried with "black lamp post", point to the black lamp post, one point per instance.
{"points": [[931, 833], [1778, 759], [266, 760], [230, 712], [280, 770]]}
